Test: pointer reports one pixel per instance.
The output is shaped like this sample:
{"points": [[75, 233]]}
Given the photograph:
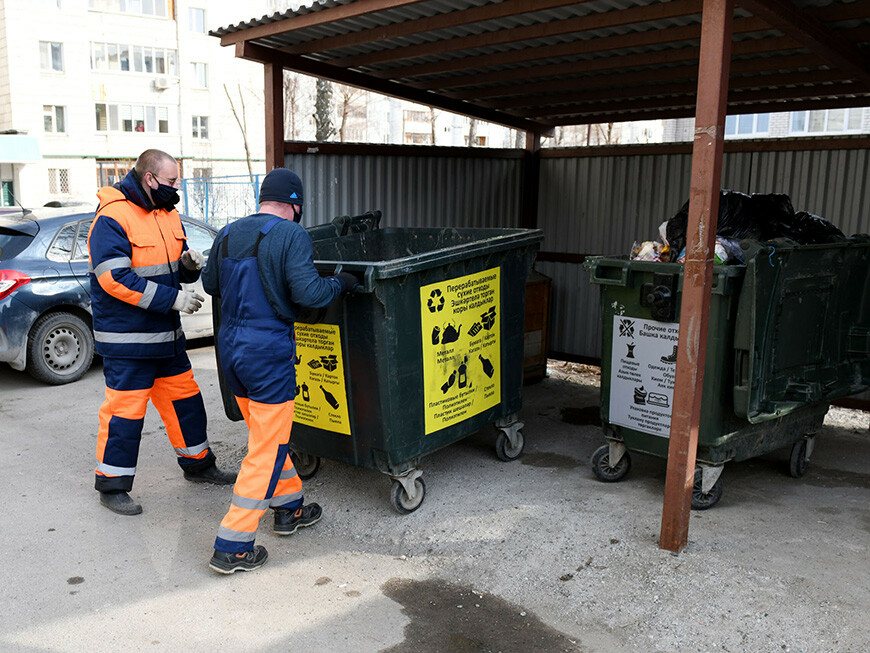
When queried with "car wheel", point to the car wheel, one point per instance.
{"points": [[60, 348]]}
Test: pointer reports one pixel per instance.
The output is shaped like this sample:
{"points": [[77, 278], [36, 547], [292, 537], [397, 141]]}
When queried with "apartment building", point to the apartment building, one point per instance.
{"points": [[86, 85]]}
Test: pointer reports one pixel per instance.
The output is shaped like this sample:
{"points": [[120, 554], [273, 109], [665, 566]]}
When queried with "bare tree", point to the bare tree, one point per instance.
{"points": [[432, 117], [472, 132], [242, 121], [348, 100], [291, 102], [324, 128]]}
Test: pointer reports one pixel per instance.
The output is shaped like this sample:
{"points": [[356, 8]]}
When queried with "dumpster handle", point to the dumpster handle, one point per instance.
{"points": [[367, 284], [610, 281]]}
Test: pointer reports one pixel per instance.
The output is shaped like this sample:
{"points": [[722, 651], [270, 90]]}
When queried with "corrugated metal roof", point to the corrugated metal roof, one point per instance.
{"points": [[586, 59]]}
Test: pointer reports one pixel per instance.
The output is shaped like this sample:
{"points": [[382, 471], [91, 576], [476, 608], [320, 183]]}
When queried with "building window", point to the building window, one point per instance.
{"points": [[416, 116], [826, 121], [200, 126], [122, 57], [131, 118], [54, 119], [749, 124], [412, 138], [200, 74], [197, 20], [58, 181], [50, 4], [201, 173], [112, 171], [51, 56], [139, 7]]}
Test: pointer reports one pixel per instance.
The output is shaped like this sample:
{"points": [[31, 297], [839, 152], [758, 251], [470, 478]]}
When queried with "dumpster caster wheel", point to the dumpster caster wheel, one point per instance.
{"points": [[306, 465], [503, 448], [402, 502], [602, 468], [800, 457], [702, 500]]}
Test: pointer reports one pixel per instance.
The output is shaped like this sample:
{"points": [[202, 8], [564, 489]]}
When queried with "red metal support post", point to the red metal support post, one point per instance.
{"points": [[715, 58], [274, 100]]}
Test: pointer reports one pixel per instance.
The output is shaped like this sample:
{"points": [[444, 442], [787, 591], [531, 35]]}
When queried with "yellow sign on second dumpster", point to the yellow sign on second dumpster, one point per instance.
{"points": [[321, 397], [461, 347]]}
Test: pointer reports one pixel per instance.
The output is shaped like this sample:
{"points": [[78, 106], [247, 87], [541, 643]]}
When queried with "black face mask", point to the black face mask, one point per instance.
{"points": [[164, 197], [297, 215]]}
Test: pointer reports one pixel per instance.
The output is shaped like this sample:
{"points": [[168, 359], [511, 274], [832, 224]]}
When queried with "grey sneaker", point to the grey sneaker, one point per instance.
{"points": [[229, 563]]}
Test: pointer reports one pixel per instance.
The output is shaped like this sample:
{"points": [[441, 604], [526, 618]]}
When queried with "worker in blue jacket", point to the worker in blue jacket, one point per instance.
{"points": [[261, 270], [138, 260]]}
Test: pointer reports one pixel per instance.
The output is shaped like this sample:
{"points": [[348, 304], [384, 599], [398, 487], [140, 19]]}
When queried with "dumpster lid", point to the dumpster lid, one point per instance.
{"points": [[395, 251], [802, 333]]}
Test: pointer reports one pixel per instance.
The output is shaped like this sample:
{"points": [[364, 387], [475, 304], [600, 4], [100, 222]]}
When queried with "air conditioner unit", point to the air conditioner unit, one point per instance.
{"points": [[161, 83]]}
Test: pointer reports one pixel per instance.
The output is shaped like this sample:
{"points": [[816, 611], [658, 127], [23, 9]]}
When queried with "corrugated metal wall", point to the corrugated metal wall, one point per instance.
{"points": [[601, 205], [587, 205], [412, 191]]}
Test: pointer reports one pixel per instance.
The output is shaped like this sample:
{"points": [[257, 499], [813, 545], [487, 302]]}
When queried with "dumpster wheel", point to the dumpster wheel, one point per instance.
{"points": [[702, 500], [306, 465], [402, 502], [602, 468], [505, 450], [800, 457]]}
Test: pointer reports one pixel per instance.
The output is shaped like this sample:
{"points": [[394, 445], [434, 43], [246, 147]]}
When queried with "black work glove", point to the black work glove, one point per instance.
{"points": [[351, 281]]}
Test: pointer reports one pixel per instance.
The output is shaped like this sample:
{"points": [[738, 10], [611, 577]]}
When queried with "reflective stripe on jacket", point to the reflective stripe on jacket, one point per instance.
{"points": [[135, 276]]}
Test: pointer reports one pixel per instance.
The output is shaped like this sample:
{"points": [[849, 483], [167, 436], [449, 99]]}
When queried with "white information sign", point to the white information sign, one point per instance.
{"points": [[642, 367]]}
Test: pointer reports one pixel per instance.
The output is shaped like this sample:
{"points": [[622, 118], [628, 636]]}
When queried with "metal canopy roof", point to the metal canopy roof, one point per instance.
{"points": [[535, 64]]}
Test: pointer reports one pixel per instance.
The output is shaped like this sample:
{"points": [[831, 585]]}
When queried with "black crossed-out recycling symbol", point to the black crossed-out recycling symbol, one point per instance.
{"points": [[436, 301]]}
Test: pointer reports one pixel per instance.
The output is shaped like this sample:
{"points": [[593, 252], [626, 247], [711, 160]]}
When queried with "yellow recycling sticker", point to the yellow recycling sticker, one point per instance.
{"points": [[321, 397], [461, 347]]}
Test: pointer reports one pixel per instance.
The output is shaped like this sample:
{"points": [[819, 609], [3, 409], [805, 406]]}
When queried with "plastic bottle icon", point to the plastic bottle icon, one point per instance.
{"points": [[330, 399], [463, 377], [449, 383], [305, 394], [488, 369]]}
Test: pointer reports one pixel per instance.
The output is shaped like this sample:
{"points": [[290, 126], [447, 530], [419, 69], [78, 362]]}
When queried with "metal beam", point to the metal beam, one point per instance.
{"points": [[351, 78], [588, 46], [697, 271], [812, 33], [609, 19], [330, 15], [430, 23], [658, 58]]}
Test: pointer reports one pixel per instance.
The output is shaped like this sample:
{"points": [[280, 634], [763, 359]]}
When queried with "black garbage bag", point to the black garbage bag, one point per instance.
{"points": [[808, 229], [760, 216]]}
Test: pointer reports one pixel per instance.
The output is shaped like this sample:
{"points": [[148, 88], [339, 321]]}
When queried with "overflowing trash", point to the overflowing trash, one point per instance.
{"points": [[758, 216]]}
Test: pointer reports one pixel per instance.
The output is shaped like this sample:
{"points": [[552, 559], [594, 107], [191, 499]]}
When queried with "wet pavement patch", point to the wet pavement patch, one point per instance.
{"points": [[547, 459], [446, 617], [589, 415]]}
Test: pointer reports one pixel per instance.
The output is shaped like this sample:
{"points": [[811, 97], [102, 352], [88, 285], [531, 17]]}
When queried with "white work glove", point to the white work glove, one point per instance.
{"points": [[192, 259], [187, 301]]}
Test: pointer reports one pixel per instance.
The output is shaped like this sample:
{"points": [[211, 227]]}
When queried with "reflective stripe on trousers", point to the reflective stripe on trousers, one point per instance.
{"points": [[130, 383]]}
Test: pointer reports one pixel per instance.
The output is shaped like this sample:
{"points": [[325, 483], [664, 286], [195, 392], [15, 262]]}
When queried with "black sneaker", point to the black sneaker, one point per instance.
{"points": [[120, 502], [288, 521], [229, 563], [211, 475]]}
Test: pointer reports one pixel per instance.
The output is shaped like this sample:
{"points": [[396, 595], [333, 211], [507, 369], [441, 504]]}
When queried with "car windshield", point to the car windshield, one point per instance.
{"points": [[12, 243]]}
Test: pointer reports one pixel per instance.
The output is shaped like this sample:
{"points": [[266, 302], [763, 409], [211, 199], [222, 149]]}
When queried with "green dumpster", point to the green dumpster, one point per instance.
{"points": [[788, 333], [426, 352]]}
